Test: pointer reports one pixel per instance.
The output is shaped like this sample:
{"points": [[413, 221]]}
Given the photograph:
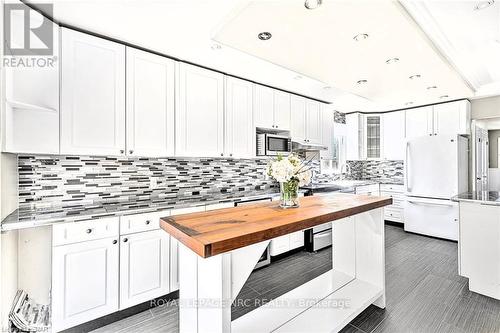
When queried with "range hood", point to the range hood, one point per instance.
{"points": [[307, 146]]}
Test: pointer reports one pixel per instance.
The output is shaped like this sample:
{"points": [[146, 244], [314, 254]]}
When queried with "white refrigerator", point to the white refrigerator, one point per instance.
{"points": [[436, 169]]}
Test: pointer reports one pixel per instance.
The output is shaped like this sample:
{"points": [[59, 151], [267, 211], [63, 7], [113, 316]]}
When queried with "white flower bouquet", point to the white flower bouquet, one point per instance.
{"points": [[291, 172]]}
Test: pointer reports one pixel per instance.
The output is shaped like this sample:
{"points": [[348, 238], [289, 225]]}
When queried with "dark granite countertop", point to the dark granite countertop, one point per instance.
{"points": [[27, 218], [482, 197]]}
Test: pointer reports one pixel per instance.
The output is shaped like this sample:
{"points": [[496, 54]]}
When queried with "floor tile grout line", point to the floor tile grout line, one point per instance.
{"points": [[358, 328]]}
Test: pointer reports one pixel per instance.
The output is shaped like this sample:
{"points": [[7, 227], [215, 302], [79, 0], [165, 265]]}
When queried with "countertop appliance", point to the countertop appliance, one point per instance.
{"points": [[436, 169], [265, 258], [273, 144], [320, 236]]}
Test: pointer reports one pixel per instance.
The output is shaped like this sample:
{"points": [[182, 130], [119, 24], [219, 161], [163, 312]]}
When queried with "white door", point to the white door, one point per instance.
{"points": [[353, 150], [199, 123], [150, 104], [239, 139], [437, 218], [32, 101], [92, 95], [84, 282], [298, 118], [327, 131], [313, 122], [452, 118], [263, 106], [281, 110], [432, 167], [144, 267], [393, 135], [418, 122]]}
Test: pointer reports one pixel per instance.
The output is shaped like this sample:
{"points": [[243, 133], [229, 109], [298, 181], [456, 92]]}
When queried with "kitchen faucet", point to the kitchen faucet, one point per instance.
{"points": [[347, 170]]}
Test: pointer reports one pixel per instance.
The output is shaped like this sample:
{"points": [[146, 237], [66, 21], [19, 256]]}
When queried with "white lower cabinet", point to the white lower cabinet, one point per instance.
{"points": [[144, 267], [85, 282], [286, 243], [372, 189]]}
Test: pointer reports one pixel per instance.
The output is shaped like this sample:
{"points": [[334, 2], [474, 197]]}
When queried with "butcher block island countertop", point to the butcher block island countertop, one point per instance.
{"points": [[223, 230]]}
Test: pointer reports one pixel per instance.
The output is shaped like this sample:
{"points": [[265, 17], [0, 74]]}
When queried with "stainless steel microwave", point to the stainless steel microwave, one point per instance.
{"points": [[272, 144]]}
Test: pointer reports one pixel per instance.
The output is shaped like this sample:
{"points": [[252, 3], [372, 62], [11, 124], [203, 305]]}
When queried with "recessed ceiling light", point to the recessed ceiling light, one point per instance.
{"points": [[431, 87], [298, 77], [360, 37], [327, 87], [216, 47], [444, 96], [416, 76], [362, 81], [408, 103], [264, 35], [483, 4], [312, 4], [392, 61]]}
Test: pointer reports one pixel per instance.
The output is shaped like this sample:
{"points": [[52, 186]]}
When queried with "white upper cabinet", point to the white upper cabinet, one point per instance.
{"points": [[31, 119], [418, 122], [393, 135], [313, 125], [239, 139], [92, 95], [327, 135], [354, 136], [452, 118], [199, 124], [298, 118], [263, 106], [150, 104], [271, 108], [144, 279], [281, 110]]}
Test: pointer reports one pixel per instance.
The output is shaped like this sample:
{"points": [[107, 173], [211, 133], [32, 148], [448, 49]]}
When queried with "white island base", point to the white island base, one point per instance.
{"points": [[325, 304]]}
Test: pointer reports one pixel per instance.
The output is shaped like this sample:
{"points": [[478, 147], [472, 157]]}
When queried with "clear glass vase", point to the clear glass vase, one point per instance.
{"points": [[289, 194]]}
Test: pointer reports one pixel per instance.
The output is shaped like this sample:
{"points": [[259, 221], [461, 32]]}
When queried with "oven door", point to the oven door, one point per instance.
{"points": [[277, 144]]}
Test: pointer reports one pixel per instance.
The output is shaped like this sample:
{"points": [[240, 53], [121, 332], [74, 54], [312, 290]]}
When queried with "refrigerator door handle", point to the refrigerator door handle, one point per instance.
{"points": [[407, 179], [426, 203]]}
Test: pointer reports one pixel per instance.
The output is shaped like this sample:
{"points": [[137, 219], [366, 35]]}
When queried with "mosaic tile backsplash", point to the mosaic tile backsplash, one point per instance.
{"points": [[378, 170], [65, 181]]}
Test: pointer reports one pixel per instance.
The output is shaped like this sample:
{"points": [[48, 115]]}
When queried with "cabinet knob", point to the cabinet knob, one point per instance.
{"points": [[125, 240], [130, 151], [276, 126], [115, 241], [221, 154], [148, 222], [88, 231], [231, 154], [122, 151], [273, 126]]}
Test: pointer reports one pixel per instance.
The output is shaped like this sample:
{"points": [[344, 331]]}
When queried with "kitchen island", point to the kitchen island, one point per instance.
{"points": [[219, 250], [479, 241]]}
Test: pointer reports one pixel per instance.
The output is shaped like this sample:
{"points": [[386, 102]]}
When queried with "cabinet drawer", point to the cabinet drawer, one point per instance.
{"points": [[395, 215], [141, 222], [368, 189], [75, 232], [392, 188], [397, 199]]}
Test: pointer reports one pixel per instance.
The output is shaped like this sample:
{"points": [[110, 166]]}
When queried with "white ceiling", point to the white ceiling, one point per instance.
{"points": [[317, 44]]}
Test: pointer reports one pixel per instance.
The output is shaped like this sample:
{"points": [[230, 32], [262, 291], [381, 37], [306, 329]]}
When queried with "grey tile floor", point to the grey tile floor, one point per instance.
{"points": [[424, 292]]}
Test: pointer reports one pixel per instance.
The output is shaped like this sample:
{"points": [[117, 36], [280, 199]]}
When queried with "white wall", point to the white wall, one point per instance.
{"points": [[486, 108]]}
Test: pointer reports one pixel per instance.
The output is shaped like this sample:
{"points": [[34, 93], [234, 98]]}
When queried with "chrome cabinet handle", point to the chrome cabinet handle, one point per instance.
{"points": [[115, 241], [122, 151], [130, 151], [231, 154], [148, 222], [88, 231], [221, 154], [125, 240]]}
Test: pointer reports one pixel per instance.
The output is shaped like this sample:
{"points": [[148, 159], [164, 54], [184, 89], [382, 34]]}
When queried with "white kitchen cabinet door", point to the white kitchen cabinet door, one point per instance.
{"points": [[92, 95], [199, 123], [281, 110], [150, 104], [144, 267], [84, 282], [393, 135], [452, 118], [327, 121], [296, 239], [313, 122], [298, 118], [239, 138], [418, 122], [279, 245], [31, 118], [263, 106], [353, 136]]}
